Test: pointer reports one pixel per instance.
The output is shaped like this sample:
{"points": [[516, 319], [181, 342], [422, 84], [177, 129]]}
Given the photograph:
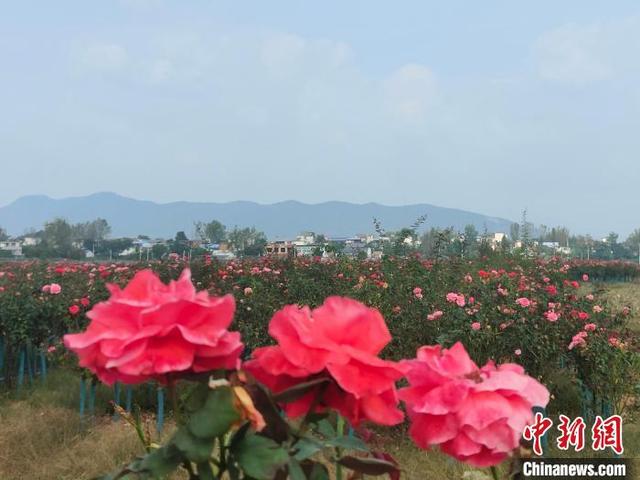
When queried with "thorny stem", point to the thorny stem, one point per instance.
{"points": [[189, 468], [494, 473], [222, 464], [340, 431], [173, 396], [316, 401]]}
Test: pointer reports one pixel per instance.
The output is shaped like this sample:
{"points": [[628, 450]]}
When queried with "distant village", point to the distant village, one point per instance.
{"points": [[60, 239]]}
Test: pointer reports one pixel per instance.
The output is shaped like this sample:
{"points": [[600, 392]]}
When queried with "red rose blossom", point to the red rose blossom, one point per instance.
{"points": [[149, 330], [476, 415], [339, 341]]}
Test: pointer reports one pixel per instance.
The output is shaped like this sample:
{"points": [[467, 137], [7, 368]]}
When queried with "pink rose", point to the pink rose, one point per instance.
{"points": [[523, 302], [476, 415], [578, 340], [551, 316], [476, 326], [456, 298], [339, 341], [589, 327], [150, 330], [55, 289], [435, 315]]}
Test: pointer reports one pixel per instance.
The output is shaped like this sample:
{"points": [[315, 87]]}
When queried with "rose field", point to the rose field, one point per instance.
{"points": [[308, 368]]}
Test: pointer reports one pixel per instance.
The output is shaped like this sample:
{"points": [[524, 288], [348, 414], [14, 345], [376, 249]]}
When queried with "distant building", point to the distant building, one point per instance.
{"points": [[30, 241], [305, 238], [495, 239], [280, 248], [308, 250], [557, 248], [356, 249], [13, 246], [223, 254]]}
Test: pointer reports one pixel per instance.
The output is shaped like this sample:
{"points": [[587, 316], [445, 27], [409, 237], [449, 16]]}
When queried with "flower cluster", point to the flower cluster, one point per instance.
{"points": [[150, 330]]}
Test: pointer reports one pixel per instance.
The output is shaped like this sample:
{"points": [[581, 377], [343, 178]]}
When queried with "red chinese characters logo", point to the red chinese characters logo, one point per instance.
{"points": [[605, 433], [571, 433], [536, 431]]}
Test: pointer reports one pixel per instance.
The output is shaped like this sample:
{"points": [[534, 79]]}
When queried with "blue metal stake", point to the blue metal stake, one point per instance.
{"points": [[29, 364], [43, 366], [83, 396], [160, 418], [129, 399], [34, 361], [21, 368], [92, 398], [116, 397], [1, 359]]}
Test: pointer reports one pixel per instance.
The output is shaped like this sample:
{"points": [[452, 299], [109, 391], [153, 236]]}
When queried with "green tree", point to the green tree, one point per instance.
{"points": [[514, 232], [633, 243], [470, 241], [159, 250], [180, 244], [247, 241], [213, 232], [58, 236]]}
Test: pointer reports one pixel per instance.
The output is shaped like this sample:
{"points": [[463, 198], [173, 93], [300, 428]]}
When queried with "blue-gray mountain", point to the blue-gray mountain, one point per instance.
{"points": [[130, 217]]}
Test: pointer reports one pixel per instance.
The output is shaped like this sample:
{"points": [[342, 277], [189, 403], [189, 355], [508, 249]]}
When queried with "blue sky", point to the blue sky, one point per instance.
{"points": [[490, 106]]}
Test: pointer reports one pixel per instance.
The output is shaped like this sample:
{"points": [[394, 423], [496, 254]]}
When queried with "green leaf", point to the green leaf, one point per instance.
{"points": [[197, 398], [295, 470], [216, 416], [315, 470], [259, 457], [368, 466], [350, 443], [294, 393], [205, 472], [193, 448], [326, 429], [306, 447], [161, 462]]}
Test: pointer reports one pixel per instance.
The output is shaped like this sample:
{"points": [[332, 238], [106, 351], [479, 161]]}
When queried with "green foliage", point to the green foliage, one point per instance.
{"points": [[259, 457], [213, 232]]}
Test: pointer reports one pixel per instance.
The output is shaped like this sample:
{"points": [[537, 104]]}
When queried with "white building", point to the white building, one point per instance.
{"points": [[13, 246], [30, 241], [495, 239], [305, 238]]}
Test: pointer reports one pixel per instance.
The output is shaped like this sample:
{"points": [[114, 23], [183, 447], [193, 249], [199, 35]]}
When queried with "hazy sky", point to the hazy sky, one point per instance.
{"points": [[488, 105]]}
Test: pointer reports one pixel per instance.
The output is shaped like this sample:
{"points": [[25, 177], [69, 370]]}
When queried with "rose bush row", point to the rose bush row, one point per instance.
{"points": [[501, 308], [325, 359]]}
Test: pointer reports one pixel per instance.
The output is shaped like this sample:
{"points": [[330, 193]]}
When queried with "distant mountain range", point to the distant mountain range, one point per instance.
{"points": [[130, 217]]}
